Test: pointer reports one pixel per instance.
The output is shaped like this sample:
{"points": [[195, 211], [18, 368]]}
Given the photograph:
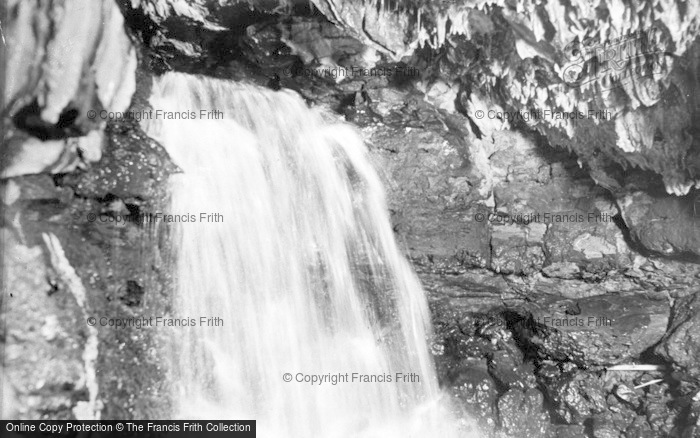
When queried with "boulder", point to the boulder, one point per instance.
{"points": [[681, 343], [600, 330]]}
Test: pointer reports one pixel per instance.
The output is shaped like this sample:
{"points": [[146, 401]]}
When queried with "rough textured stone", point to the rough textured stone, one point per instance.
{"points": [[521, 413], [65, 58], [43, 337], [45, 325], [542, 64], [579, 398], [669, 225], [133, 166], [600, 330], [27, 155], [681, 344], [53, 48], [527, 61], [119, 263]]}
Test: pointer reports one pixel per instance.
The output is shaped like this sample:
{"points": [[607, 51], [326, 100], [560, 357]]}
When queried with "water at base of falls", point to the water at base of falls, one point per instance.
{"points": [[292, 248]]}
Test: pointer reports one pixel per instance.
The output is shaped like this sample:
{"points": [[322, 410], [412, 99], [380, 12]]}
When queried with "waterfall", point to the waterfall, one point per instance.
{"points": [[289, 243]]}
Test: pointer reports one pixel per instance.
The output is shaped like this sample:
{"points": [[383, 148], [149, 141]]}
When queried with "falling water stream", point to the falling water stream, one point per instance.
{"points": [[298, 260]]}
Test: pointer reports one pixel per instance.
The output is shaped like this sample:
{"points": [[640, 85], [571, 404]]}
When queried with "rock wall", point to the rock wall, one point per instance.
{"points": [[67, 175], [615, 83], [535, 281], [64, 59], [559, 252]]}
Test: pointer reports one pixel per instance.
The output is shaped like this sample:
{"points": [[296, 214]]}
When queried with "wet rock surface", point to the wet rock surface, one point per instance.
{"points": [[680, 343], [599, 330], [96, 216], [514, 226], [495, 359], [75, 186], [120, 266]]}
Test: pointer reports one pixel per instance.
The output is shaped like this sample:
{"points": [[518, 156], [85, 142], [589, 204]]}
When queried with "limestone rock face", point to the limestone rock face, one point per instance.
{"points": [[68, 169], [57, 365], [615, 65], [64, 59], [376, 25], [600, 330], [680, 344], [662, 223], [619, 89], [43, 341], [615, 84], [508, 228]]}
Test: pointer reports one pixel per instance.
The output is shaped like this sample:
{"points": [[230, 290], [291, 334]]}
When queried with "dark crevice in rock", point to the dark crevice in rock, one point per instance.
{"points": [[131, 293], [138, 22], [522, 326], [29, 120], [634, 245]]}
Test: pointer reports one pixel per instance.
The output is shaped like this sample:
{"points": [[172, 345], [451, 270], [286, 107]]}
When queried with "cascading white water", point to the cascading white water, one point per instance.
{"points": [[302, 267]]}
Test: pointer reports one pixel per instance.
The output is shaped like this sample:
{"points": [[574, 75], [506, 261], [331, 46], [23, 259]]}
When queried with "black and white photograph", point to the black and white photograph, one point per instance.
{"points": [[350, 218]]}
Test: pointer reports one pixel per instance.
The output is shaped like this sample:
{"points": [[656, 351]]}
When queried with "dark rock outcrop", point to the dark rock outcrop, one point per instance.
{"points": [[74, 167], [599, 330], [680, 345]]}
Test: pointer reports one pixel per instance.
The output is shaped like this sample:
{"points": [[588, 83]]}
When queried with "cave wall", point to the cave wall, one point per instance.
{"points": [[63, 59], [67, 174], [464, 192], [615, 83]]}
